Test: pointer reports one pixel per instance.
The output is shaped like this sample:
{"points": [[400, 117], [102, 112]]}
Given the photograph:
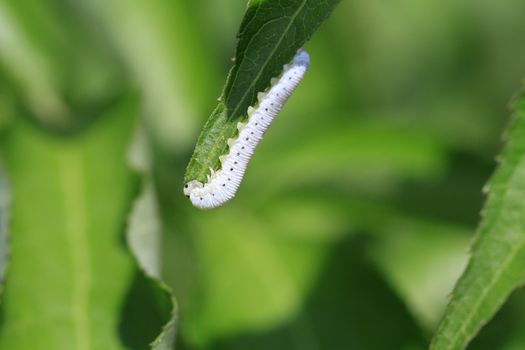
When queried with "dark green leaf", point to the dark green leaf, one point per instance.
{"points": [[271, 33]]}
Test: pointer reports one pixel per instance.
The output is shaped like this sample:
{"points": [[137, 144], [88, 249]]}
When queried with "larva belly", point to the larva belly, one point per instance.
{"points": [[223, 183]]}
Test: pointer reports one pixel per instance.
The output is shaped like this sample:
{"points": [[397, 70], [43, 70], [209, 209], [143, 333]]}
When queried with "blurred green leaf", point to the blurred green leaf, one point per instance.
{"points": [[59, 67], [341, 308], [271, 33], [30, 71], [4, 222], [439, 250], [398, 240], [144, 240], [369, 155], [496, 265], [144, 231], [168, 56], [7, 109], [277, 257], [72, 283], [225, 303], [453, 74]]}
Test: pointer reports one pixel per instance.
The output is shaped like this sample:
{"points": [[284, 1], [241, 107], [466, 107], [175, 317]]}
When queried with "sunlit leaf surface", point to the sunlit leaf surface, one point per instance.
{"points": [[72, 283]]}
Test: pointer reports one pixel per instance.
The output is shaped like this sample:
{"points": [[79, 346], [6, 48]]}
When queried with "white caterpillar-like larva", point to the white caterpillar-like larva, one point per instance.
{"points": [[223, 183]]}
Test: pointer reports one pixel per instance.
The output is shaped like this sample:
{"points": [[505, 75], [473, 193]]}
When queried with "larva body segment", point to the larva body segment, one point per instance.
{"points": [[223, 183]]}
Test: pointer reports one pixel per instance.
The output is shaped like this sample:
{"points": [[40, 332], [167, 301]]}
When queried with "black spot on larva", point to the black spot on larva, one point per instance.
{"points": [[256, 123], [187, 196], [247, 138], [242, 147], [223, 185], [201, 198], [234, 162], [251, 133], [266, 109], [290, 78], [229, 179], [238, 153], [185, 186], [213, 194], [231, 169]]}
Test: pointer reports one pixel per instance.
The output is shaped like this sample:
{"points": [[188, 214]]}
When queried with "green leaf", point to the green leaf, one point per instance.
{"points": [[271, 33], [292, 293], [497, 259], [144, 238], [4, 219], [144, 232], [72, 283]]}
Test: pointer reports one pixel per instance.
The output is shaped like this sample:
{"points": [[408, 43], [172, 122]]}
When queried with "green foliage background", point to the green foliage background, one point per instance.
{"points": [[353, 221]]}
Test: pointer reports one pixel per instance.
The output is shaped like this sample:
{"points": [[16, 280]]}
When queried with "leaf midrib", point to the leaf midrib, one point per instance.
{"points": [[71, 170], [222, 133]]}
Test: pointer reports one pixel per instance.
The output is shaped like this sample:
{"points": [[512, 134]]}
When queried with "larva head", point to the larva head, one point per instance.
{"points": [[190, 186]]}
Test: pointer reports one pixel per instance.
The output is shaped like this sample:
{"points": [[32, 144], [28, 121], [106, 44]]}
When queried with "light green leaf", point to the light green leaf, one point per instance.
{"points": [[145, 230], [144, 238], [72, 283], [4, 220], [496, 266], [271, 33]]}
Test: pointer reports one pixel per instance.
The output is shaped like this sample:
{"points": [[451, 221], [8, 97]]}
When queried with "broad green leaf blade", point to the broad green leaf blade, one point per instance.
{"points": [[4, 219], [496, 266], [271, 33], [72, 283]]}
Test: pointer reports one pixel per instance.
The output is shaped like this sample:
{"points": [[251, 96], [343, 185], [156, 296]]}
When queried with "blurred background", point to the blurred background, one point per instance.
{"points": [[355, 215]]}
